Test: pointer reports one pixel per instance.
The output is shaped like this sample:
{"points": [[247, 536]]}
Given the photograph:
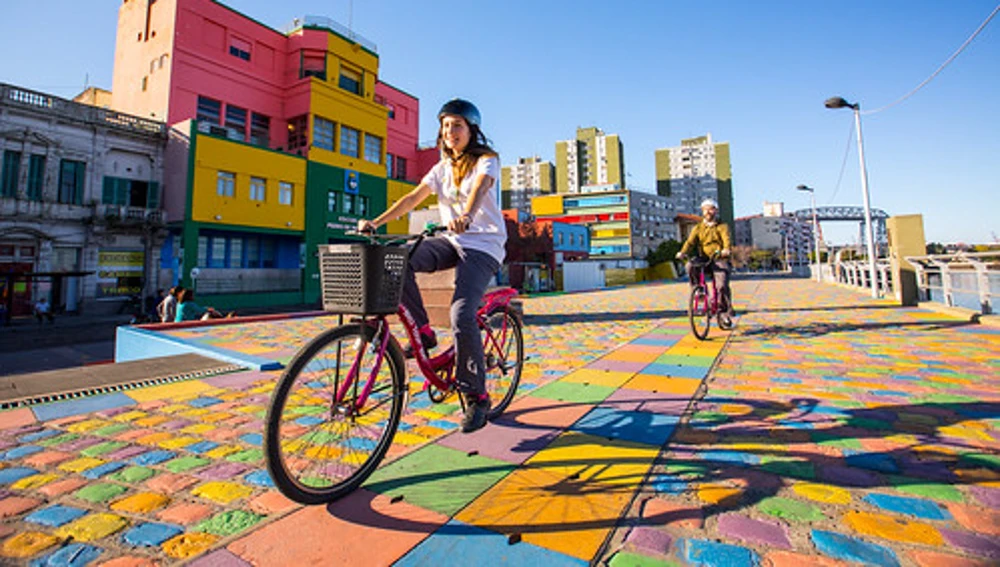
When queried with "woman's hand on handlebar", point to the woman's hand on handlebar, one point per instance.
{"points": [[366, 226], [460, 224]]}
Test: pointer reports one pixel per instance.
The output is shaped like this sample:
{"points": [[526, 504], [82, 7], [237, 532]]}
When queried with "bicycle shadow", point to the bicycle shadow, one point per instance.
{"points": [[601, 317], [728, 464], [818, 328]]}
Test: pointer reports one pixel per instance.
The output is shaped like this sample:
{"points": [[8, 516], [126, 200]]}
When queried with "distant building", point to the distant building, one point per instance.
{"points": [[696, 170], [593, 158], [94, 96], [529, 178], [81, 216], [786, 234]]}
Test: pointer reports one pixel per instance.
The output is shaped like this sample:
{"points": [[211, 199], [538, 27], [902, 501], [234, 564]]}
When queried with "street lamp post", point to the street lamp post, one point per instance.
{"points": [[838, 102], [812, 196]]}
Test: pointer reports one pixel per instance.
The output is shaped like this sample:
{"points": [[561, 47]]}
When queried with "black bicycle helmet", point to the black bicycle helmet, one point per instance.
{"points": [[462, 108]]}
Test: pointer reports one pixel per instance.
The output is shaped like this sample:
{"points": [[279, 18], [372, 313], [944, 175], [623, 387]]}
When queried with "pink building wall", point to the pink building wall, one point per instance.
{"points": [[403, 127]]}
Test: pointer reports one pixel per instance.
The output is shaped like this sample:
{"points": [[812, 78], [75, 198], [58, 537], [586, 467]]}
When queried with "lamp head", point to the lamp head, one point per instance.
{"points": [[804, 188], [838, 102]]}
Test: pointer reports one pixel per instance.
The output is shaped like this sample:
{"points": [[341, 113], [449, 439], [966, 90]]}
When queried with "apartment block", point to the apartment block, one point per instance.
{"points": [[593, 162], [696, 170], [529, 178]]}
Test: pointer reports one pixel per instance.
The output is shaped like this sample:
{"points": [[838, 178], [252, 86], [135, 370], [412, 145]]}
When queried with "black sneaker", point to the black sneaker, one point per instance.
{"points": [[428, 341], [476, 411]]}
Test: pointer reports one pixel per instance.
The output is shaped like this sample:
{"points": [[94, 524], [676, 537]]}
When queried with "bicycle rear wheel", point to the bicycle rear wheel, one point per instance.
{"points": [[318, 450], [503, 345], [698, 312]]}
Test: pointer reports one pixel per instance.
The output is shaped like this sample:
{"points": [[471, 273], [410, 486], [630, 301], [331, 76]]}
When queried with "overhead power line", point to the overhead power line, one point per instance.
{"points": [[943, 65]]}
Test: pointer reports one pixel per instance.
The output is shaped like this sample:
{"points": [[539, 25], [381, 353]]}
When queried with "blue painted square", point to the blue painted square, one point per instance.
{"points": [[14, 474], [456, 540], [918, 507], [152, 458], [879, 462], [99, 471], [786, 380], [259, 478], [39, 435], [638, 426], [442, 424], [668, 484], [151, 534], [55, 516], [308, 420], [840, 546], [711, 554], [204, 402], [73, 555], [22, 451], [81, 406], [201, 447], [676, 370], [252, 439], [737, 458], [792, 424]]}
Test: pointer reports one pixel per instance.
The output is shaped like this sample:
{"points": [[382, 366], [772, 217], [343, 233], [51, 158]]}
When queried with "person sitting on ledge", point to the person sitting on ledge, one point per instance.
{"points": [[188, 310]]}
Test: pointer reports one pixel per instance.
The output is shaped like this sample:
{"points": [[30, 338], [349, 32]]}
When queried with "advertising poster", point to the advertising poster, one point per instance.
{"points": [[119, 273]]}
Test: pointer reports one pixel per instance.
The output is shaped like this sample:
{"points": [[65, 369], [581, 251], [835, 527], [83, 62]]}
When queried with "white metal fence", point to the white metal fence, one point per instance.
{"points": [[965, 279]]}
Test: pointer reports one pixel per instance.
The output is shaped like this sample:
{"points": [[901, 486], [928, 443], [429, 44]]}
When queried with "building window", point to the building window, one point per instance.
{"points": [[235, 252], [362, 203], [260, 129], [209, 110], [239, 48], [350, 80], [285, 190], [258, 188], [11, 172], [392, 111], [217, 254], [225, 184], [71, 181], [389, 161], [373, 148], [322, 133], [400, 168], [331, 201], [236, 122], [349, 141], [36, 177], [297, 132], [253, 252], [348, 204], [312, 64]]}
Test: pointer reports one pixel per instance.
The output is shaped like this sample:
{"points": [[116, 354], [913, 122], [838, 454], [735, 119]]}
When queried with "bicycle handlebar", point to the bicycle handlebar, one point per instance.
{"points": [[396, 239]]}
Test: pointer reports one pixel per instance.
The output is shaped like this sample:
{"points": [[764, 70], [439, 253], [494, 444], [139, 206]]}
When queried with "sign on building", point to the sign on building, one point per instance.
{"points": [[119, 272]]}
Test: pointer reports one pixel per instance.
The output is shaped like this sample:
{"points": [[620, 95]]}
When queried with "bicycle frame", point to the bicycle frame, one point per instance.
{"points": [[713, 297], [428, 366]]}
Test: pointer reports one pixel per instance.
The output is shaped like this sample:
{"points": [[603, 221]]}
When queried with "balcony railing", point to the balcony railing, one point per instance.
{"points": [[336, 27], [26, 98], [134, 215]]}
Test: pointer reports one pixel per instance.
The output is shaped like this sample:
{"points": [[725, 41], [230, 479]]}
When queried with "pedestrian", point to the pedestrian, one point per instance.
{"points": [[188, 310], [43, 310], [166, 310], [465, 183]]}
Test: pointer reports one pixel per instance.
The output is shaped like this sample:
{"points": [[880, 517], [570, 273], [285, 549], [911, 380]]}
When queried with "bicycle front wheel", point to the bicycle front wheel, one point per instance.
{"points": [[319, 449], [698, 312], [503, 345]]}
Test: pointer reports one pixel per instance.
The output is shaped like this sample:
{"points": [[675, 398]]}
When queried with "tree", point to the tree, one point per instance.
{"points": [[935, 248], [665, 252]]}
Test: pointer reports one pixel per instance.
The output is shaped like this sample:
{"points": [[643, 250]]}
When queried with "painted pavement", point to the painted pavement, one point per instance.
{"points": [[831, 428]]}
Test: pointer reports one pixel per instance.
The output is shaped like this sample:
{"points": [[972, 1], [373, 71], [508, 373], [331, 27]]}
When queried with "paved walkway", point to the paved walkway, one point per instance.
{"points": [[829, 428]]}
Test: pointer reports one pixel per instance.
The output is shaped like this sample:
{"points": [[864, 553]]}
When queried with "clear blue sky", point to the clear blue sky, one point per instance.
{"points": [[753, 73]]}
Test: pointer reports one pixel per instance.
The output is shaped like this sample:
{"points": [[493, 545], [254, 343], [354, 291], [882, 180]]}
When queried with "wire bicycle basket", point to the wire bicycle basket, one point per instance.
{"points": [[362, 278]]}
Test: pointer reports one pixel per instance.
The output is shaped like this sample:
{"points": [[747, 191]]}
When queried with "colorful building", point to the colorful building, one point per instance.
{"points": [[521, 182], [279, 141], [622, 224]]}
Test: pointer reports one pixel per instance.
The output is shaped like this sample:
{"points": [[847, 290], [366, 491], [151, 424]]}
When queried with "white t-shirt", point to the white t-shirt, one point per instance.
{"points": [[487, 232]]}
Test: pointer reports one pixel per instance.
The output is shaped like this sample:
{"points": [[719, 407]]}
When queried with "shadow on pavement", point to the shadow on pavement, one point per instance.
{"points": [[818, 329], [586, 317]]}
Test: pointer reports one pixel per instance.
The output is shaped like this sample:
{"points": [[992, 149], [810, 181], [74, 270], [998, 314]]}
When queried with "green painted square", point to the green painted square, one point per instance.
{"points": [[132, 474], [101, 492], [248, 456], [828, 440], [438, 478], [228, 523], [947, 399], [851, 404], [113, 429], [789, 509], [628, 559], [793, 468], [574, 392], [971, 460], [183, 464], [868, 423], [58, 439], [925, 489], [102, 448]]}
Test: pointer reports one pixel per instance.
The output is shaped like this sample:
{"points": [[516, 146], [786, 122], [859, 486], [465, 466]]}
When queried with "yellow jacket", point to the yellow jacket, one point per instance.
{"points": [[709, 239]]}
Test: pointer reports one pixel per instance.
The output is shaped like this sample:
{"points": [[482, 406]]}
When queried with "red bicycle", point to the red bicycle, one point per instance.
{"points": [[704, 304], [336, 408]]}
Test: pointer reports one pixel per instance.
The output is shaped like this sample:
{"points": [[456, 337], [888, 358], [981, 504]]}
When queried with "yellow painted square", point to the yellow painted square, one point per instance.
{"points": [[152, 421], [81, 464], [170, 391], [197, 429], [610, 378], [154, 438], [130, 416], [684, 387], [178, 442], [86, 425]]}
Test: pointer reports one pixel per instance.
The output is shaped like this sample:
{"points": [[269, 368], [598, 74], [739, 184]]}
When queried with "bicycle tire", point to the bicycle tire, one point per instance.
{"points": [[301, 459], [698, 312], [502, 377]]}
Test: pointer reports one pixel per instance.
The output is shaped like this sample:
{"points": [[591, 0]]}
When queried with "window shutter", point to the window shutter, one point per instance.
{"points": [[108, 193], [153, 197]]}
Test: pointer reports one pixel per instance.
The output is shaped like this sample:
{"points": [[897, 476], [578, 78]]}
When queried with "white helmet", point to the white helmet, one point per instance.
{"points": [[709, 203]]}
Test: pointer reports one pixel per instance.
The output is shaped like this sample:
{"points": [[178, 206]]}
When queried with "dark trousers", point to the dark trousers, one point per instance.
{"points": [[719, 270], [473, 273]]}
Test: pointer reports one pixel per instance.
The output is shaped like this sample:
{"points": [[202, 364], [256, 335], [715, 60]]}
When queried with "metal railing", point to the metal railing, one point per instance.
{"points": [[130, 215], [27, 98], [332, 25], [965, 279], [856, 273]]}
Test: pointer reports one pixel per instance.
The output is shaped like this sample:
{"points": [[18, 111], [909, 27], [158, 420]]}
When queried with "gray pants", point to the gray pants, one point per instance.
{"points": [[472, 276]]}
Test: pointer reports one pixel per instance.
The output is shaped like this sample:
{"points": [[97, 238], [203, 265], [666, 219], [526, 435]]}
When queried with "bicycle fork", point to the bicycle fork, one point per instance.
{"points": [[379, 345]]}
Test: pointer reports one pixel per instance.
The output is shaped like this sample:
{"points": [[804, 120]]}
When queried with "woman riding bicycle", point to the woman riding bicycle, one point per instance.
{"points": [[711, 237], [465, 183]]}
